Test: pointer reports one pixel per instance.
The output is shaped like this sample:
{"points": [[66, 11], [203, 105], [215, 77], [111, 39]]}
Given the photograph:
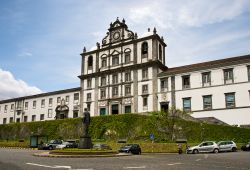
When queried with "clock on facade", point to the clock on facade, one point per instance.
{"points": [[116, 35]]}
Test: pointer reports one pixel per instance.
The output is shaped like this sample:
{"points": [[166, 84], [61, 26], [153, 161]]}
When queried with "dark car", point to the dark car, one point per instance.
{"points": [[72, 143], [51, 145], [246, 147], [101, 146], [130, 148]]}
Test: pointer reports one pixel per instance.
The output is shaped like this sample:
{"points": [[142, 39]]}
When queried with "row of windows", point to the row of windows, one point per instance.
{"points": [[115, 79], [34, 103], [33, 117], [206, 78], [207, 102], [127, 56], [127, 108], [115, 92]]}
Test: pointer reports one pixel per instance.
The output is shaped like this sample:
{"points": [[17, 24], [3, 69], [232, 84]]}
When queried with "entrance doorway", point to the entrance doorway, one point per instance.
{"points": [[115, 109], [164, 106]]}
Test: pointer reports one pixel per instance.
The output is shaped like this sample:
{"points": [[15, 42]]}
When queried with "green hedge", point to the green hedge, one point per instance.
{"points": [[128, 127]]}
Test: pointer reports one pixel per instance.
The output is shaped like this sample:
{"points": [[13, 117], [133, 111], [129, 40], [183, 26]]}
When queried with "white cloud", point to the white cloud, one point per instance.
{"points": [[195, 13], [11, 87], [25, 54]]}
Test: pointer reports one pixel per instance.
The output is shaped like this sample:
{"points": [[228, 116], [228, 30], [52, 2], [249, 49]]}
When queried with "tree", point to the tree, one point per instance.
{"points": [[166, 121]]}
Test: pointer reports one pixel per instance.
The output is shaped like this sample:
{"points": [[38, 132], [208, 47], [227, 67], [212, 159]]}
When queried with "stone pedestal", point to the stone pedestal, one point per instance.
{"points": [[85, 142]]}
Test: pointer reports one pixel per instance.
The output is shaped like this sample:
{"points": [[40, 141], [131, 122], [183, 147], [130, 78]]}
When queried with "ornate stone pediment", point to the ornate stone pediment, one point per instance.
{"points": [[118, 32]]}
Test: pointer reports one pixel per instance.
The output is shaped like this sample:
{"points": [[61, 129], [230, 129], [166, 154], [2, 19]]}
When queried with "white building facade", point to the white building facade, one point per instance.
{"points": [[127, 74]]}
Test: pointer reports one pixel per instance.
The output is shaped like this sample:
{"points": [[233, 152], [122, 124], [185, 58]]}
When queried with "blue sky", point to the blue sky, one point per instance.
{"points": [[40, 41]]}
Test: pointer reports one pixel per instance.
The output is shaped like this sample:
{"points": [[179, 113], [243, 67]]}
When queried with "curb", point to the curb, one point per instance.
{"points": [[47, 154], [5, 147]]}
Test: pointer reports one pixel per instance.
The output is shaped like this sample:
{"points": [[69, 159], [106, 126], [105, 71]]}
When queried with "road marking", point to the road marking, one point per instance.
{"points": [[178, 163], [135, 167], [197, 160], [55, 166]]}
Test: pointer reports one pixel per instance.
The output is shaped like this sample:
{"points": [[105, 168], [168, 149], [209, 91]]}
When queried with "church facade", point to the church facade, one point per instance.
{"points": [[128, 74]]}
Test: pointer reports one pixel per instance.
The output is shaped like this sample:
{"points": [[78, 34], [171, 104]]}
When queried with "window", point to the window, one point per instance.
{"points": [[41, 116], [75, 114], [187, 104], [67, 99], [33, 118], [145, 73], [115, 78], [12, 107], [11, 119], [25, 118], [127, 76], [88, 96], [145, 89], [88, 106], [19, 105], [58, 100], [206, 79], [89, 84], [90, 62], [49, 113], [127, 57], [50, 102], [43, 103], [160, 52], [103, 81], [228, 76], [102, 111], [145, 103], [115, 91], [248, 71], [103, 93], [127, 109], [127, 90], [185, 82], [104, 62], [144, 50], [207, 102], [230, 100], [17, 120], [26, 104], [115, 60], [34, 104], [164, 85], [4, 120], [76, 96], [5, 108]]}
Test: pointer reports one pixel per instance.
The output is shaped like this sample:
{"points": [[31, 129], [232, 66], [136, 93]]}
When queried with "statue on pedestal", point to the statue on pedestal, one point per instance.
{"points": [[86, 122], [85, 140]]}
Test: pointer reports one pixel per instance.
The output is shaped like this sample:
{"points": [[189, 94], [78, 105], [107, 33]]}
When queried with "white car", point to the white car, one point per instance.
{"points": [[207, 146], [227, 146], [63, 145]]}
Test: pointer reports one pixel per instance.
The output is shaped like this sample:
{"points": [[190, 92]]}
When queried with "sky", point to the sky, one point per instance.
{"points": [[41, 41]]}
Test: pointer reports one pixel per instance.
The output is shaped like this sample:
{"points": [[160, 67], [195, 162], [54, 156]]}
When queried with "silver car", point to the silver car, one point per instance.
{"points": [[227, 146], [207, 146]]}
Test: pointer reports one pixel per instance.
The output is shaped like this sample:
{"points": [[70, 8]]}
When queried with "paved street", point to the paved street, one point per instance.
{"points": [[23, 159]]}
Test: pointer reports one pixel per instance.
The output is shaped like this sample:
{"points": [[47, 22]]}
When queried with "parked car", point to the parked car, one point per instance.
{"points": [[72, 143], [130, 148], [51, 145], [101, 146], [207, 146], [246, 147], [227, 146], [63, 145]]}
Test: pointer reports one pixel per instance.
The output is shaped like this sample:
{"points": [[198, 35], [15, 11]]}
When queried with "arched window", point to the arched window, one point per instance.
{"points": [[160, 52], [144, 50], [90, 61]]}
